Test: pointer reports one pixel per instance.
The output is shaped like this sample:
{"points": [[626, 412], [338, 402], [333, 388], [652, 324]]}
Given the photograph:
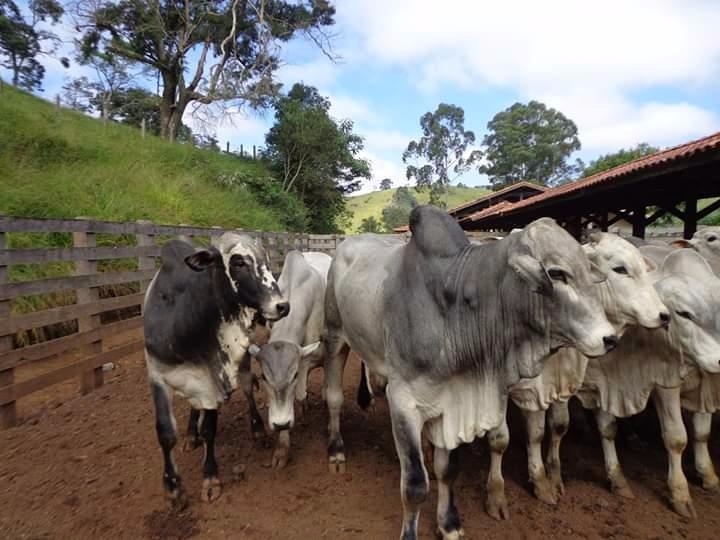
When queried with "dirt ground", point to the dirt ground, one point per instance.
{"points": [[90, 467]]}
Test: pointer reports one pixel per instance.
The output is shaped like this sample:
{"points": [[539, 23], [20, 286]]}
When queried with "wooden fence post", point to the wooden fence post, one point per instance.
{"points": [[94, 378], [142, 128], [8, 412], [145, 263]]}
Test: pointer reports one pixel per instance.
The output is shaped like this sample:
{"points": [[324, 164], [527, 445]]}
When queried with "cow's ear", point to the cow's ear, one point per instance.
{"points": [[203, 259], [650, 265], [596, 275], [681, 244], [532, 271]]}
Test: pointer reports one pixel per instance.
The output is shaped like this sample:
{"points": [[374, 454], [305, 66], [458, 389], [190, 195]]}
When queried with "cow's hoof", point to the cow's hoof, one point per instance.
{"points": [[279, 458], [336, 464], [684, 508], [457, 534], [544, 491], [177, 499], [712, 485], [191, 443], [497, 507], [621, 488], [556, 482], [211, 489]]}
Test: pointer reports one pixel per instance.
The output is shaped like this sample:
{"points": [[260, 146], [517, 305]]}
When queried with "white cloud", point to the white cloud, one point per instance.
{"points": [[385, 140], [587, 59], [346, 107], [320, 73], [382, 168]]}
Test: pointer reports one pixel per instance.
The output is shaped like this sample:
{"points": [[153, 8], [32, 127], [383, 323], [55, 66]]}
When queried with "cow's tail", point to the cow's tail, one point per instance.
{"points": [[364, 392]]}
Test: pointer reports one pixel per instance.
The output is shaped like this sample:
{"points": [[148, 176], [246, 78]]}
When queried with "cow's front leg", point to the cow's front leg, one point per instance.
{"points": [[414, 484], [446, 470], [334, 369], [667, 404], [535, 424], [192, 435], [607, 425], [281, 453], [702, 425], [166, 434], [211, 487], [248, 383], [559, 416], [496, 504]]}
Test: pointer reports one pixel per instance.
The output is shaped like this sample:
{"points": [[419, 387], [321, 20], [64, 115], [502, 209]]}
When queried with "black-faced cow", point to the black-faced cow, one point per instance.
{"points": [[198, 311], [451, 326], [294, 347]]}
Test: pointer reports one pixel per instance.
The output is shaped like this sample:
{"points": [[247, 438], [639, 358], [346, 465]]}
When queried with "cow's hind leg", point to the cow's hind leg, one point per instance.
{"points": [[166, 433], [667, 404], [334, 368], [702, 424], [248, 384], [535, 424], [446, 470], [414, 483], [192, 436], [607, 425], [559, 416], [496, 504], [211, 487]]}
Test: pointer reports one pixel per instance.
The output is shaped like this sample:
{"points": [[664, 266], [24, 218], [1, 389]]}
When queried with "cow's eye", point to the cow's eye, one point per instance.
{"points": [[620, 270], [558, 275], [685, 315], [238, 262], [712, 238], [295, 377]]}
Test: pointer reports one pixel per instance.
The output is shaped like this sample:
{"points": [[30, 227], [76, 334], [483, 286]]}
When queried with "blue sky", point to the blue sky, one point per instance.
{"points": [[625, 72]]}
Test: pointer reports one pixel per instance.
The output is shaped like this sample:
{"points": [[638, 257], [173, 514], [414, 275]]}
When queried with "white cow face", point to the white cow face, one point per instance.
{"points": [[707, 242], [280, 364], [628, 294], [691, 291]]}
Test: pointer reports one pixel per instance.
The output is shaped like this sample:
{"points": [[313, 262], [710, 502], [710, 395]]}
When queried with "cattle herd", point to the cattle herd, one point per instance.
{"points": [[448, 330]]}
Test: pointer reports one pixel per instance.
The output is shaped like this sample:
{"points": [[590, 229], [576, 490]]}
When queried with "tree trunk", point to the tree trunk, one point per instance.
{"points": [[168, 105]]}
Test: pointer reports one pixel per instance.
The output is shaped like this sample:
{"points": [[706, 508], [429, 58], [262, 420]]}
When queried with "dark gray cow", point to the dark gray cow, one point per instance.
{"points": [[294, 347], [198, 312], [451, 326]]}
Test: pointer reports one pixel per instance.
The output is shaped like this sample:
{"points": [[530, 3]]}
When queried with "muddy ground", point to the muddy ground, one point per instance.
{"points": [[90, 467]]}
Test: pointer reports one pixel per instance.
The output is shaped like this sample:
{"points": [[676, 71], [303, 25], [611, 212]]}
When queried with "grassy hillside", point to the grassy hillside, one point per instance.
{"points": [[372, 204], [65, 164]]}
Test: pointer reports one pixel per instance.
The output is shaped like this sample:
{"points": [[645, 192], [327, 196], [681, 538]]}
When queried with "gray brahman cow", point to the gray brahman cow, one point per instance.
{"points": [[451, 326], [294, 347], [629, 299], [674, 367], [198, 314]]}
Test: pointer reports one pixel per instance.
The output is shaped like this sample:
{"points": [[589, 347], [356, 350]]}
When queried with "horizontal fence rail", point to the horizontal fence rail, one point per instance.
{"points": [[68, 318]]}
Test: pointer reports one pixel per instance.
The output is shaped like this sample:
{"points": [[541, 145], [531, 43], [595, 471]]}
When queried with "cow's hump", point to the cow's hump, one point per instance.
{"points": [[435, 232]]}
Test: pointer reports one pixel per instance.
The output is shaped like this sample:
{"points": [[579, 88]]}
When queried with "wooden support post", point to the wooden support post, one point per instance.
{"points": [[690, 220], [603, 221], [638, 221], [254, 155], [8, 411], [94, 378], [145, 263]]}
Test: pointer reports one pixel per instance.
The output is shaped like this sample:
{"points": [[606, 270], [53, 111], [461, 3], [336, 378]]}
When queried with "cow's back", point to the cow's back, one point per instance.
{"points": [[180, 319]]}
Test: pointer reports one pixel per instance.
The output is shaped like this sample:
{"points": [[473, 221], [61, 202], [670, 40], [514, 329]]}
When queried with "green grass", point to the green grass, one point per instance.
{"points": [[63, 164], [372, 204]]}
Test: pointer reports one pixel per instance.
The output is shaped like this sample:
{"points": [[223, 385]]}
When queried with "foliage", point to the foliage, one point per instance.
{"points": [[22, 40], [314, 155], [443, 148], [207, 51], [61, 164], [622, 156], [369, 225], [529, 142], [385, 183], [397, 213]]}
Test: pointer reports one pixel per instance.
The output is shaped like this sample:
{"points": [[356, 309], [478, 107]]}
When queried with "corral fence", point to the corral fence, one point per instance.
{"points": [[68, 287]]}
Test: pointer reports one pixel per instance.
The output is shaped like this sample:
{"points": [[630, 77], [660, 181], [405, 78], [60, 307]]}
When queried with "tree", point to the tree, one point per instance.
{"points": [[369, 225], [608, 161], [397, 213], [221, 52], [314, 155], [529, 142], [385, 184], [78, 95], [444, 149], [22, 41]]}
